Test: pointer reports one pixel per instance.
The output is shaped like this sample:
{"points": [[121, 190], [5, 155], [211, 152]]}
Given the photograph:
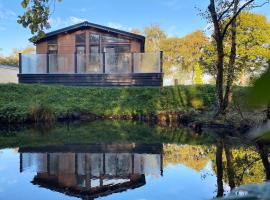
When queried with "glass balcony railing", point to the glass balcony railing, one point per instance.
{"points": [[99, 63]]}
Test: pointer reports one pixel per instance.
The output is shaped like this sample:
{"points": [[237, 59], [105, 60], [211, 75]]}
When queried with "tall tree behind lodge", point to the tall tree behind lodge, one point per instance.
{"points": [[223, 15]]}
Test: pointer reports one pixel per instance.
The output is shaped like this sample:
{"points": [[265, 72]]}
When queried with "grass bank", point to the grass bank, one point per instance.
{"points": [[19, 103]]}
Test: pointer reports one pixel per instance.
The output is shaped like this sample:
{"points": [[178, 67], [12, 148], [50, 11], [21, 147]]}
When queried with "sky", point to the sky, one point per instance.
{"points": [[176, 17]]}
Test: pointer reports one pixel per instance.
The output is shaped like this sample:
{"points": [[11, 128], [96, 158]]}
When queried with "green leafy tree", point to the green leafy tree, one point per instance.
{"points": [[185, 53], [154, 36], [253, 38], [36, 16], [222, 14], [198, 74]]}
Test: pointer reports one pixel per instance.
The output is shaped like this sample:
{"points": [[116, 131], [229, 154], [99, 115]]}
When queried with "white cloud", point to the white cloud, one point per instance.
{"points": [[58, 22], [5, 14], [118, 26], [76, 20]]}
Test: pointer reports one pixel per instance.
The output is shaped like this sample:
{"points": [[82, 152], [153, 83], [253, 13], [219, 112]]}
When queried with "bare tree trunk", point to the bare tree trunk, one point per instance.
{"points": [[264, 156], [220, 53], [231, 67], [219, 151], [230, 169], [220, 71]]}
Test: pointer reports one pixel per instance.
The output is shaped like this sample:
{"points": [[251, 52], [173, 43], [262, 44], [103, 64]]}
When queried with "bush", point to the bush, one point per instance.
{"points": [[41, 113], [12, 112]]}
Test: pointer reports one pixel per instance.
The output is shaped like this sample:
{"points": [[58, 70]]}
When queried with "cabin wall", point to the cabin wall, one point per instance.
{"points": [[42, 48], [66, 42]]}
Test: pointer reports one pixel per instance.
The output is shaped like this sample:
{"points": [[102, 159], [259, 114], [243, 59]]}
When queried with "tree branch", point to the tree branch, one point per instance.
{"points": [[235, 16], [225, 11]]}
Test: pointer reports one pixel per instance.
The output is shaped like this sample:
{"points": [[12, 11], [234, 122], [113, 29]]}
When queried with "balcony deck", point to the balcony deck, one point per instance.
{"points": [[103, 69]]}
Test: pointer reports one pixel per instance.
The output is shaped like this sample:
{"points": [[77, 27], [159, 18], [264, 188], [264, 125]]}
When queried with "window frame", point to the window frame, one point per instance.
{"points": [[102, 45]]}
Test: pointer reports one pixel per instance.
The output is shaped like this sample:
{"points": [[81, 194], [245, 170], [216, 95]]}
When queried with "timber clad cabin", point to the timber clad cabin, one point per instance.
{"points": [[88, 54], [93, 170]]}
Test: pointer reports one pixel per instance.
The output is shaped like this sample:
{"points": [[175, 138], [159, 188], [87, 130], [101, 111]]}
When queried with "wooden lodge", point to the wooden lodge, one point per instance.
{"points": [[92, 55], [93, 170]]}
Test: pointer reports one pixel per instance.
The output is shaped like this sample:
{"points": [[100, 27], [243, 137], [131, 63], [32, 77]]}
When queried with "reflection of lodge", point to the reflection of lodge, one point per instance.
{"points": [[90, 171]]}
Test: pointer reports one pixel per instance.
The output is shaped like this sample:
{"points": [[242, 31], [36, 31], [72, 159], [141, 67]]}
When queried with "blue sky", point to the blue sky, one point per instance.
{"points": [[177, 17]]}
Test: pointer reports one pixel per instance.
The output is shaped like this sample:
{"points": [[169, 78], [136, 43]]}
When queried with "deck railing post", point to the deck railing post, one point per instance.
{"points": [[161, 61], [75, 63], [103, 62], [20, 63], [132, 63], [48, 63]]}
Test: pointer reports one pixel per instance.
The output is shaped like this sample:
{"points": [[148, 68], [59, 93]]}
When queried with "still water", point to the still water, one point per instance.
{"points": [[124, 160]]}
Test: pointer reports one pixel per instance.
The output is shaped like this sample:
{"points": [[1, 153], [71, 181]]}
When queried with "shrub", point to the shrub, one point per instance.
{"points": [[41, 113], [12, 112]]}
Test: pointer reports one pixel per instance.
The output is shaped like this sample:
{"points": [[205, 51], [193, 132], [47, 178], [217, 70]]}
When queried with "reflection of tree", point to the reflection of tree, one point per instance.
{"points": [[194, 157], [240, 165], [230, 167], [219, 166], [265, 160]]}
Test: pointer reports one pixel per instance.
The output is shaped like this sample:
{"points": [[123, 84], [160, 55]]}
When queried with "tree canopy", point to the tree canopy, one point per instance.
{"points": [[36, 16], [252, 44]]}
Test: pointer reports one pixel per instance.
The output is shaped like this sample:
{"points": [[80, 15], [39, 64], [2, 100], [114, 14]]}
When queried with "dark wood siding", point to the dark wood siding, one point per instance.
{"points": [[144, 79]]}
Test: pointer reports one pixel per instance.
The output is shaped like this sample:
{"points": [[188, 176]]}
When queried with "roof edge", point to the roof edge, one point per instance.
{"points": [[88, 24]]}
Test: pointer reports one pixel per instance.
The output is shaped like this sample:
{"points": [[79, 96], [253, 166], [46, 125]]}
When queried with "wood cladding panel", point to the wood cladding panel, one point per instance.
{"points": [[66, 42], [153, 79], [42, 48]]}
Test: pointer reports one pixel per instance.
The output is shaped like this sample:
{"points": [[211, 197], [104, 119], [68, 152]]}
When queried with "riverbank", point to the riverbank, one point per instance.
{"points": [[188, 105]]}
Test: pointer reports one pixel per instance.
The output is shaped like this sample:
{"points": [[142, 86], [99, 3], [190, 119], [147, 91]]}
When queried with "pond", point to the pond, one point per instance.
{"points": [[125, 160]]}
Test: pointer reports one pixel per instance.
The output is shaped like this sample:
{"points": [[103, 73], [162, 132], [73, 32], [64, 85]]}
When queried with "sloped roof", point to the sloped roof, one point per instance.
{"points": [[87, 24]]}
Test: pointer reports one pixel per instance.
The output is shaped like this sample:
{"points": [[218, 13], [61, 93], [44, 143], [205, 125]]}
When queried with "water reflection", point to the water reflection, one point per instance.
{"points": [[95, 170], [124, 160], [241, 165]]}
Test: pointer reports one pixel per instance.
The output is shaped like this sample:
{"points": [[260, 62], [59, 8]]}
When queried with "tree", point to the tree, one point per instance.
{"points": [[36, 16], [185, 53], [253, 38], [154, 36], [136, 31], [223, 16]]}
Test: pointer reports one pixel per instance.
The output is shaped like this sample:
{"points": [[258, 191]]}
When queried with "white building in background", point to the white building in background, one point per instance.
{"points": [[178, 76], [8, 74]]}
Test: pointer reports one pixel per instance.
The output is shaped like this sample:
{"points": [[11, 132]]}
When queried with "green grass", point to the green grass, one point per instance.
{"points": [[21, 102]]}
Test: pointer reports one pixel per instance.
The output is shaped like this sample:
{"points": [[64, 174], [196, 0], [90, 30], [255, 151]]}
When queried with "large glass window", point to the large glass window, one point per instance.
{"points": [[109, 44], [80, 49], [52, 49], [117, 48], [80, 39], [110, 39], [94, 49], [94, 38]]}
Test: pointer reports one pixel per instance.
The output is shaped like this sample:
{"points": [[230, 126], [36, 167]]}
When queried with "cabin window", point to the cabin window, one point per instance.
{"points": [[80, 39], [117, 48], [80, 43], [122, 48], [52, 46], [110, 39], [94, 38], [94, 49], [109, 44], [52, 49]]}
